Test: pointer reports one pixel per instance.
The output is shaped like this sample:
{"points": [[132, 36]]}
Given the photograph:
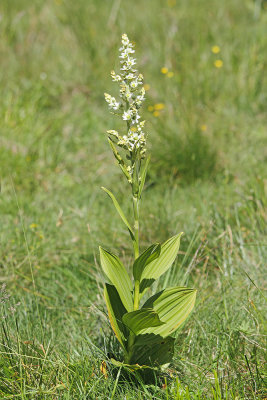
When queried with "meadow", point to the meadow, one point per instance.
{"points": [[203, 62]]}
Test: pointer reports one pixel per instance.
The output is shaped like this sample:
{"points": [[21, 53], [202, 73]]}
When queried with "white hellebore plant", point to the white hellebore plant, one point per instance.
{"points": [[143, 329]]}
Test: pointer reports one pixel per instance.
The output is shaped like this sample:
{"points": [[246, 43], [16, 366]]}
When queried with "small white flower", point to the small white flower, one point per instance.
{"points": [[115, 78], [125, 41], [128, 95], [124, 55], [127, 115], [135, 118], [129, 50], [129, 76], [131, 61], [112, 103], [134, 84]]}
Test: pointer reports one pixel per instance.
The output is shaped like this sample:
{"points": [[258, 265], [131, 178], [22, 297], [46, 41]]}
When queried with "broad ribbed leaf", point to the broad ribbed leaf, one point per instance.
{"points": [[117, 274], [116, 310], [173, 306], [149, 255], [148, 339], [157, 267], [138, 320], [159, 353]]}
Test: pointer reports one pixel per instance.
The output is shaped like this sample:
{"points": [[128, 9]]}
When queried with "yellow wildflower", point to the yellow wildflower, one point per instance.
{"points": [[156, 113], [150, 108], [203, 128], [215, 49], [218, 63], [164, 70], [146, 86], [33, 226], [170, 74], [171, 3], [159, 106]]}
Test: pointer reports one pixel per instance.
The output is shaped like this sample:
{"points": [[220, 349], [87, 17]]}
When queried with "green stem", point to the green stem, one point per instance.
{"points": [[136, 226], [135, 191], [130, 348], [136, 286], [136, 294], [136, 247]]}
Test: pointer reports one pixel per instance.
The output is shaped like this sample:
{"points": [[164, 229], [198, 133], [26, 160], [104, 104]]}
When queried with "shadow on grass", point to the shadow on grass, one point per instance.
{"points": [[187, 158]]}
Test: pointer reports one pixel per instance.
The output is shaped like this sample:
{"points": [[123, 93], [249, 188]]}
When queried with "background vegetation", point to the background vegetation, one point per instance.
{"points": [[206, 121]]}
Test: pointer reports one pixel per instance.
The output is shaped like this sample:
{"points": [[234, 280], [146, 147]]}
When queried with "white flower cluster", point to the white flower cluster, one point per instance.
{"points": [[132, 94], [112, 103]]}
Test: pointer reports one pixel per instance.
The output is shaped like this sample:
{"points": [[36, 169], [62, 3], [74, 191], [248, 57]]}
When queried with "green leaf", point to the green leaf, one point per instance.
{"points": [[143, 177], [117, 274], [129, 367], [156, 354], [144, 259], [116, 310], [118, 208], [120, 160], [173, 306], [147, 339], [138, 320], [165, 260]]}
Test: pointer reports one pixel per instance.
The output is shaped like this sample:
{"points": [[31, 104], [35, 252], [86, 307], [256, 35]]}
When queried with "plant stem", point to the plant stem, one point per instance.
{"points": [[136, 225], [130, 348], [136, 249], [137, 283]]}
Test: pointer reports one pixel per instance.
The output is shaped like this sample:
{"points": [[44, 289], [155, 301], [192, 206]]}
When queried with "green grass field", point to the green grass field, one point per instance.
{"points": [[206, 119]]}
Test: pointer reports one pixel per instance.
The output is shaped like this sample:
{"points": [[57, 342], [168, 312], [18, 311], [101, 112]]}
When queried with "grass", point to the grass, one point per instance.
{"points": [[207, 178]]}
